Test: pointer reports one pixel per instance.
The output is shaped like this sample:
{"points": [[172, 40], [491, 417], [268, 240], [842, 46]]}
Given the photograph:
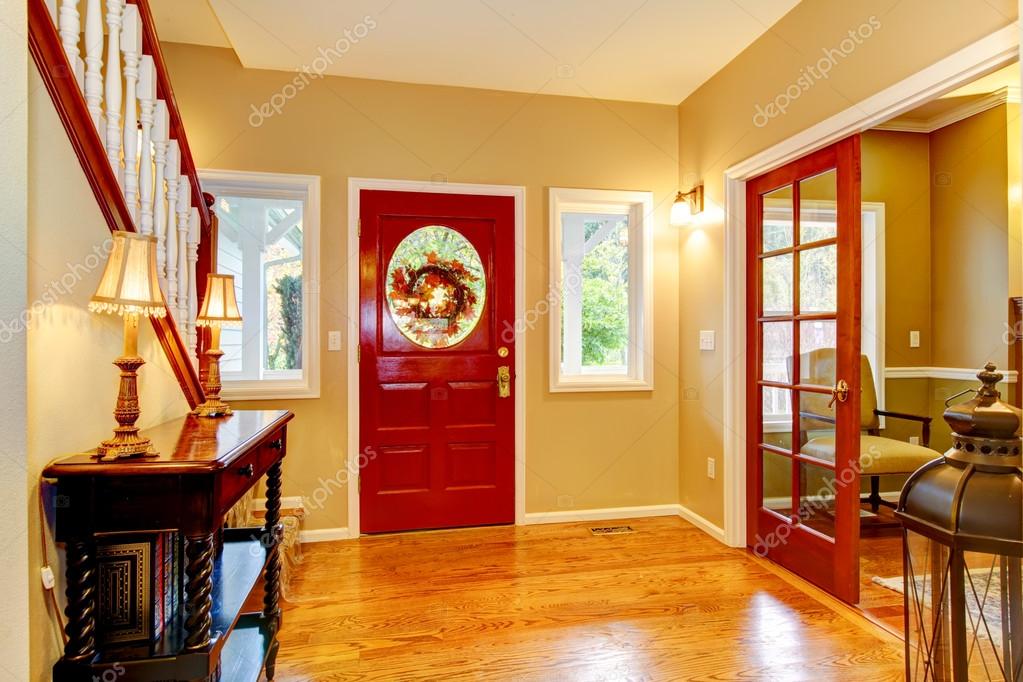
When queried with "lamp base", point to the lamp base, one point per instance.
{"points": [[126, 441], [125, 445], [213, 408]]}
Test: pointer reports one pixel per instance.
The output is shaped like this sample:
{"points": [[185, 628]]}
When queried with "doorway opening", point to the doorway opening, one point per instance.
{"points": [[884, 336]]}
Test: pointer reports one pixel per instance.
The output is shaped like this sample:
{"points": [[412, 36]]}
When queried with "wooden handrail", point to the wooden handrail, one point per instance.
{"points": [[58, 76], [164, 90]]}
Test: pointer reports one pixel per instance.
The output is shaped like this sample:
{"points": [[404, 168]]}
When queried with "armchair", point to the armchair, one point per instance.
{"points": [[880, 456]]}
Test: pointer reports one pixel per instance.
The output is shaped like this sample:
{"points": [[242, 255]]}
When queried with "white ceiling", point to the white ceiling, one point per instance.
{"points": [[638, 50]]}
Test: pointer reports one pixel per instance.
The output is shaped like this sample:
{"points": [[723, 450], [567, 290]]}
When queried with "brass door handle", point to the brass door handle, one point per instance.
{"points": [[839, 393], [503, 381]]}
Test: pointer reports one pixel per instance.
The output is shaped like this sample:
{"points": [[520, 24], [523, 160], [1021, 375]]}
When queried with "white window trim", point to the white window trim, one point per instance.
{"points": [[283, 186], [638, 206]]}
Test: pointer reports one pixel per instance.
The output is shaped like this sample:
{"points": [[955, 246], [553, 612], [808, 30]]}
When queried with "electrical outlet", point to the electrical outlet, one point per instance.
{"points": [[706, 339], [333, 341], [914, 440], [914, 339], [711, 467]]}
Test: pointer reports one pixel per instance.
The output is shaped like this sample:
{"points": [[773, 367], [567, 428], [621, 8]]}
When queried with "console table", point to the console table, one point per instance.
{"points": [[203, 467]]}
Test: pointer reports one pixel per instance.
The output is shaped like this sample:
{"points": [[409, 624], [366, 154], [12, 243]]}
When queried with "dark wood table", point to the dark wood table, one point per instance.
{"points": [[203, 468]]}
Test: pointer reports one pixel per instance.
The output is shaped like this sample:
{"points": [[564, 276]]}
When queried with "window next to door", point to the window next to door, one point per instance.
{"points": [[268, 238], [600, 294]]}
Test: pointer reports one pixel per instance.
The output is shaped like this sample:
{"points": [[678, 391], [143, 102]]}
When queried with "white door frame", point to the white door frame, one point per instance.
{"points": [[355, 186], [987, 54]]}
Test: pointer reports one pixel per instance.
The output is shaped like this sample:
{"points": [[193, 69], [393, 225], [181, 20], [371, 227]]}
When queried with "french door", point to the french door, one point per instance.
{"points": [[436, 366], [803, 351]]}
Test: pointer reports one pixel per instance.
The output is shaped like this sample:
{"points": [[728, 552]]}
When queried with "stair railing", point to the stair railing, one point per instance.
{"points": [[110, 87]]}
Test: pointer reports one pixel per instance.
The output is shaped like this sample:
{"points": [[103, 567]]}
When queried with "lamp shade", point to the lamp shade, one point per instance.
{"points": [[130, 284], [681, 212], [219, 306]]}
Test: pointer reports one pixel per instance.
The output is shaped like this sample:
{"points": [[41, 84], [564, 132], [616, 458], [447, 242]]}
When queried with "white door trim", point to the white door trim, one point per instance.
{"points": [[355, 186], [988, 53]]}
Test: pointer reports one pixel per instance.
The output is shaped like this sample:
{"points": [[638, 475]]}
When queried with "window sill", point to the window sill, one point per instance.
{"points": [[599, 384], [268, 390]]}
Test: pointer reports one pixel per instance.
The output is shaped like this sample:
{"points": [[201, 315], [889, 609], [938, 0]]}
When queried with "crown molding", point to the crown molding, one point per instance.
{"points": [[1003, 95]]}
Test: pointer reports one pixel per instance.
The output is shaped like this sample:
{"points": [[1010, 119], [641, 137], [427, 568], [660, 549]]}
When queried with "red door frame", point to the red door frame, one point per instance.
{"points": [[833, 565], [499, 310]]}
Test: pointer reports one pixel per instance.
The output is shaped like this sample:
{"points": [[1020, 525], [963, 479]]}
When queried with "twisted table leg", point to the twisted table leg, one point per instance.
{"points": [[198, 587], [81, 602], [273, 531]]}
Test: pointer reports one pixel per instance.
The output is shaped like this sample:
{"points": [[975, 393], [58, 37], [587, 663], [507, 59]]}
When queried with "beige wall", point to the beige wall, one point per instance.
{"points": [[72, 381], [16, 575], [716, 130], [582, 450], [969, 227]]}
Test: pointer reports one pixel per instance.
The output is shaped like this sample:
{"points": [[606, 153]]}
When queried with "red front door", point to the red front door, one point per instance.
{"points": [[436, 368], [803, 364]]}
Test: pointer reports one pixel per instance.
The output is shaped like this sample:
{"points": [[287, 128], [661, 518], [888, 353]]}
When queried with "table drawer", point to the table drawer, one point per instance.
{"points": [[239, 477]]}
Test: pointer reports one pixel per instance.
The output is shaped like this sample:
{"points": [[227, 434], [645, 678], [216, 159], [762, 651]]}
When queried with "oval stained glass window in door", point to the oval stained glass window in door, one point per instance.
{"points": [[436, 287]]}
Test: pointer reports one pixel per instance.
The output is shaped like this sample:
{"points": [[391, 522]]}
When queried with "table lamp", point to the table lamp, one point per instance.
{"points": [[219, 308], [129, 288]]}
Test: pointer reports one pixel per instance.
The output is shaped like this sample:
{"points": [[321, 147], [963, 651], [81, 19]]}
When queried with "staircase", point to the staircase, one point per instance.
{"points": [[102, 65]]}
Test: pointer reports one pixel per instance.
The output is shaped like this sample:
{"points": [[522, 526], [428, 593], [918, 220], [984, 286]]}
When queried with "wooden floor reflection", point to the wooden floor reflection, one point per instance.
{"points": [[556, 603]]}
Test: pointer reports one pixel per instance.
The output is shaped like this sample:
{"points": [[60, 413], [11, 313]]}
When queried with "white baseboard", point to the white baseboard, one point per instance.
{"points": [[324, 535], [565, 516], [603, 514], [715, 531]]}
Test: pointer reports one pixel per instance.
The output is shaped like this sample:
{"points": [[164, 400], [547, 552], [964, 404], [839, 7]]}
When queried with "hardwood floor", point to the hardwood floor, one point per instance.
{"points": [[881, 556], [556, 603]]}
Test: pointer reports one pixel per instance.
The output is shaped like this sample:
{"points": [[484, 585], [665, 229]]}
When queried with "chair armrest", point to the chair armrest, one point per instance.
{"points": [[903, 415], [817, 417], [925, 423]]}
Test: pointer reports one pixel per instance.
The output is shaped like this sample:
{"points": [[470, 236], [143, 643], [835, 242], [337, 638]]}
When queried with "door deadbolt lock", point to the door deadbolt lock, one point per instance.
{"points": [[503, 381]]}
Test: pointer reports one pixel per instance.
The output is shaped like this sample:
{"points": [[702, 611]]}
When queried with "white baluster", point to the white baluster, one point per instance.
{"points": [[131, 45], [70, 31], [112, 81], [193, 294], [173, 173], [184, 204], [94, 61], [161, 129], [147, 102]]}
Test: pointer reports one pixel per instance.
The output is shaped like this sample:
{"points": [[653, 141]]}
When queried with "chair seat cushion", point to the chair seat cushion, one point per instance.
{"points": [[879, 456]]}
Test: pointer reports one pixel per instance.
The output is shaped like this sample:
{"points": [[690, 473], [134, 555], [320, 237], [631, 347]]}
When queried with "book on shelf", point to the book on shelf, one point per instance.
{"points": [[138, 586]]}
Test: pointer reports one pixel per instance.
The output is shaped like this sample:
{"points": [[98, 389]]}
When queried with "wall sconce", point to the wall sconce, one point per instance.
{"points": [[687, 204]]}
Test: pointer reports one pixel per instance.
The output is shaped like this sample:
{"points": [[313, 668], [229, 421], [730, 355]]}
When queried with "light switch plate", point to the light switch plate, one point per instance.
{"points": [[706, 339], [333, 341], [711, 467], [914, 339]]}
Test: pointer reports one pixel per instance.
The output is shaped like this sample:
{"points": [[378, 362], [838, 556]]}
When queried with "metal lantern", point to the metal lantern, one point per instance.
{"points": [[962, 518]]}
